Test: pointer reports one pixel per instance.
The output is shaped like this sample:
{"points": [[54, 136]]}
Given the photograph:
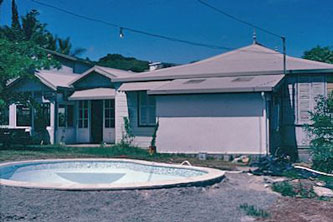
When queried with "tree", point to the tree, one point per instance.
{"points": [[321, 134], [125, 63], [65, 47], [33, 30], [15, 16], [321, 54], [20, 59]]}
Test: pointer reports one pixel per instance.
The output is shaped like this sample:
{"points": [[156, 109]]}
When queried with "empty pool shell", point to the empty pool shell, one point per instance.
{"points": [[209, 176]]}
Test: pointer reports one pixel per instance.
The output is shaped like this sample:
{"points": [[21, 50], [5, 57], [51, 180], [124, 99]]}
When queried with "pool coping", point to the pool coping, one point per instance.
{"points": [[212, 176]]}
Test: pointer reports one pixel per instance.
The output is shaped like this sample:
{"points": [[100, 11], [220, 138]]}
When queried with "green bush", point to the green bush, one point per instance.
{"points": [[127, 134], [284, 188], [321, 134], [251, 210]]}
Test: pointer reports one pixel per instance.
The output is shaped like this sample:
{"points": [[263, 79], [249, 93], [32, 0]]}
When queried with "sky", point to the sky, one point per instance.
{"points": [[304, 23]]}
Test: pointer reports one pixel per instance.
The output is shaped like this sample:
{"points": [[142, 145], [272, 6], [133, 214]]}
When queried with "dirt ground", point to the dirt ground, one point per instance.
{"points": [[301, 210], [220, 202]]}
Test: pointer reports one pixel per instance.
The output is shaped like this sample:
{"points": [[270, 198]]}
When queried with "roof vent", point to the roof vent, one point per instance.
{"points": [[194, 81], [243, 79], [155, 66]]}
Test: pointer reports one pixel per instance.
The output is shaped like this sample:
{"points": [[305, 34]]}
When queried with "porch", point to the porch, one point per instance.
{"points": [[85, 117]]}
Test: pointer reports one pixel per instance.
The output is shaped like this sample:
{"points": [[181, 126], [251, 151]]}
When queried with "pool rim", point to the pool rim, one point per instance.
{"points": [[212, 176]]}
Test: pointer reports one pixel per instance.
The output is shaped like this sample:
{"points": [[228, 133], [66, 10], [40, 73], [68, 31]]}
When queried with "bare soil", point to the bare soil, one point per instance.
{"points": [[300, 210], [219, 202]]}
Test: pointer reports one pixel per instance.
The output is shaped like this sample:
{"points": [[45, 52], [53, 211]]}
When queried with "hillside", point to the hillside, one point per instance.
{"points": [[118, 61]]}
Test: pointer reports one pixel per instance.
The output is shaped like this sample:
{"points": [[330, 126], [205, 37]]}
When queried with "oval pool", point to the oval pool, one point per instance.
{"points": [[103, 174]]}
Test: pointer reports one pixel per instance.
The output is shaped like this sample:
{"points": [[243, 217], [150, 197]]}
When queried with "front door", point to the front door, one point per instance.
{"points": [[96, 126]]}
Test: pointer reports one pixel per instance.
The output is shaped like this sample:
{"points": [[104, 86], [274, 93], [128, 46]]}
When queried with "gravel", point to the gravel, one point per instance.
{"points": [[219, 202]]}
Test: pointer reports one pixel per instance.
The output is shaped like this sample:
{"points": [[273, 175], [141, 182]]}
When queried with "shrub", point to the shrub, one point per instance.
{"points": [[254, 211], [321, 134], [153, 140], [284, 188], [128, 136]]}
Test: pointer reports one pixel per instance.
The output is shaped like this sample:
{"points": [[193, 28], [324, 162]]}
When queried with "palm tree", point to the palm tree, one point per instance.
{"points": [[65, 47], [15, 16], [1, 1], [33, 30]]}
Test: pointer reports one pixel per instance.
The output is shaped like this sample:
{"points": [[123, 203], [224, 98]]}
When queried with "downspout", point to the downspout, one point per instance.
{"points": [[55, 120], [264, 105], [267, 125]]}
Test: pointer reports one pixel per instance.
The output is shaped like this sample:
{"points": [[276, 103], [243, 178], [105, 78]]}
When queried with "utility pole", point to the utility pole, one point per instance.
{"points": [[284, 54]]}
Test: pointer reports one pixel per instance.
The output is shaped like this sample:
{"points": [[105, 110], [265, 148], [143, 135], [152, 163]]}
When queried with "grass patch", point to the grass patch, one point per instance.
{"points": [[253, 211], [284, 188], [299, 174], [294, 189], [328, 181], [117, 151]]}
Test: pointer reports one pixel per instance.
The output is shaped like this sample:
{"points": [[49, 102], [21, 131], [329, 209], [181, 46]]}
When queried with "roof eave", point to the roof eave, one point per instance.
{"points": [[72, 58], [190, 76], [89, 71], [46, 82], [211, 75], [207, 91], [305, 71]]}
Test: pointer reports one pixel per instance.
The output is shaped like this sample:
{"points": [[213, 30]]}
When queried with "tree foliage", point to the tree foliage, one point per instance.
{"points": [[321, 54], [20, 59], [321, 134], [15, 16], [64, 46], [125, 63], [31, 29]]}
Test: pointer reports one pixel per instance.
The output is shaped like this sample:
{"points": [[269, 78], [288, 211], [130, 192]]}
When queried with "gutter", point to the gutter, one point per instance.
{"points": [[152, 77], [196, 91]]}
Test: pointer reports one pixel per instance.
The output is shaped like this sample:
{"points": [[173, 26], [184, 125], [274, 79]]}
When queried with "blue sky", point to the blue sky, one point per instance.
{"points": [[305, 23]]}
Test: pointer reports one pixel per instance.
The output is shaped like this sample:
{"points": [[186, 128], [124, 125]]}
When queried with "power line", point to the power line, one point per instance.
{"points": [[238, 19], [131, 29], [122, 28], [253, 26]]}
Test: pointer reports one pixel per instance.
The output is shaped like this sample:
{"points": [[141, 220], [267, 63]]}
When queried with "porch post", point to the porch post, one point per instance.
{"points": [[12, 115], [52, 123]]}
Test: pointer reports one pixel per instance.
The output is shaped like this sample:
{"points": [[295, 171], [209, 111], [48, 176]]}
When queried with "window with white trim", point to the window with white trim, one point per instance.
{"points": [[83, 114], [23, 115], [147, 109], [42, 115], [109, 114]]}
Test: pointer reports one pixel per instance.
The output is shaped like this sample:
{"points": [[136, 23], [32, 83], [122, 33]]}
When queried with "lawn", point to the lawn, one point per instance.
{"points": [[16, 153]]}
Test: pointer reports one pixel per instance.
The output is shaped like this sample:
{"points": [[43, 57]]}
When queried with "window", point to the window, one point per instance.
{"points": [[61, 116], [329, 84], [4, 116], [23, 115], [66, 116], [70, 116], [83, 114], [109, 113], [309, 88], [42, 117], [146, 107]]}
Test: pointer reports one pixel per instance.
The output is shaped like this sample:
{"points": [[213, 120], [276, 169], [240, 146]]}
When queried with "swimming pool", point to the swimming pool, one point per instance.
{"points": [[103, 174]]}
